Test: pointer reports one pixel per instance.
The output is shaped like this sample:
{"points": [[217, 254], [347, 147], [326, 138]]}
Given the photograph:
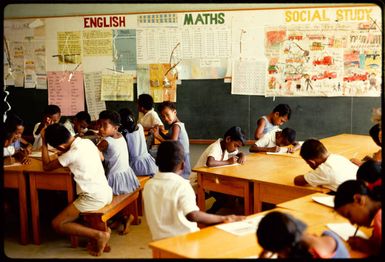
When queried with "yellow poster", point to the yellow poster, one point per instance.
{"points": [[97, 43], [117, 87], [69, 47], [162, 83]]}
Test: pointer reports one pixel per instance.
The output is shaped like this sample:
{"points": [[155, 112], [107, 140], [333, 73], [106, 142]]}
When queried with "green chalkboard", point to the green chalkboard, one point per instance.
{"points": [[208, 109]]}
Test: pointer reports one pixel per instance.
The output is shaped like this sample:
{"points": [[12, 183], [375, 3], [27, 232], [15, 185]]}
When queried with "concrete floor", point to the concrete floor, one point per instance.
{"points": [[53, 245]]}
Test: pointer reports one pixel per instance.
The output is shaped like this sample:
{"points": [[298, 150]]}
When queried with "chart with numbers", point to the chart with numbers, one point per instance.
{"points": [[158, 19], [249, 77]]}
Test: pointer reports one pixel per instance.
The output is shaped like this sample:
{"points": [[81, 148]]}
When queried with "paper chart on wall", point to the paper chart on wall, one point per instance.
{"points": [[69, 47], [97, 42], [142, 79], [117, 87], [65, 89], [124, 49], [93, 85], [248, 77]]}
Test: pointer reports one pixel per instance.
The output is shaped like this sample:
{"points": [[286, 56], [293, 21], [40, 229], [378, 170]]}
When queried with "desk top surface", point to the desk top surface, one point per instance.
{"points": [[36, 165]]}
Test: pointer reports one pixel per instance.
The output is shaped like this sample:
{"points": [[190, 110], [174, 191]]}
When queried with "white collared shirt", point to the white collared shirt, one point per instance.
{"points": [[268, 139], [150, 119], [168, 198]]}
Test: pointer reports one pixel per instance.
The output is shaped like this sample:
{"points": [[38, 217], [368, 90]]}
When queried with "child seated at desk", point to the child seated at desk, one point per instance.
{"points": [[16, 125], [370, 172], [10, 155], [362, 207], [169, 200], [272, 141], [78, 126], [376, 134], [221, 152], [51, 115], [329, 170], [83, 158], [282, 234], [280, 115]]}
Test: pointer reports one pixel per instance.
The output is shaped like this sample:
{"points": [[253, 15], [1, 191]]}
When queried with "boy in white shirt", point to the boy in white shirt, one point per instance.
{"points": [[169, 200], [272, 141], [329, 170], [83, 158], [78, 126], [148, 118], [51, 115]]}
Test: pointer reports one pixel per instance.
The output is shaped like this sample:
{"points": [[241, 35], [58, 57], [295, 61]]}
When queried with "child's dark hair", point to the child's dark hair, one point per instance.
{"points": [[289, 134], [111, 115], [283, 110], [170, 155], [146, 101], [373, 132], [50, 110], [312, 149], [128, 121], [369, 171], [12, 122], [165, 104], [57, 134], [236, 134], [83, 115], [278, 231], [346, 191]]}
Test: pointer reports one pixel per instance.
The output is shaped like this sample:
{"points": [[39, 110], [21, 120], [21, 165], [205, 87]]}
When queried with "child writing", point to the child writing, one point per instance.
{"points": [[370, 172], [280, 114], [282, 234], [120, 176], [362, 207], [51, 115], [169, 200], [141, 161], [329, 170], [272, 141], [79, 124], [82, 157], [177, 132], [16, 125], [374, 133], [9, 152], [222, 152]]}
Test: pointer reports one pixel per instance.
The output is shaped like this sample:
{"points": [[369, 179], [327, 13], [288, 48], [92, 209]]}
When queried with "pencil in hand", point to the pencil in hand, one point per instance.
{"points": [[355, 232]]}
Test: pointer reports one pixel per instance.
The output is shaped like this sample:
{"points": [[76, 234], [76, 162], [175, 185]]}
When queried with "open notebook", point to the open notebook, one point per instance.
{"points": [[324, 200], [345, 230], [240, 228]]}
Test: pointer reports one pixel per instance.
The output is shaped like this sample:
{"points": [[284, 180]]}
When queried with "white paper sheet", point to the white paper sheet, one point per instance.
{"points": [[324, 200], [345, 230], [236, 164], [241, 228], [38, 154]]}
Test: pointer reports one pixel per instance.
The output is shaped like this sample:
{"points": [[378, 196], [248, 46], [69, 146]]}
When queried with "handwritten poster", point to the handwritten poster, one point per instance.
{"points": [[124, 44], [69, 47], [142, 79], [65, 89], [93, 86], [117, 87], [97, 42]]}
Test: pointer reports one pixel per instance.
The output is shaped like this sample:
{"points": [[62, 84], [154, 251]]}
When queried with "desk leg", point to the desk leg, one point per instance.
{"points": [[201, 193], [23, 210], [257, 198], [34, 210]]}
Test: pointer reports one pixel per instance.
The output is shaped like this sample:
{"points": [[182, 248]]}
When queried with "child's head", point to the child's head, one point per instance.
{"points": [[109, 121], [170, 157], [57, 135], [285, 137], [374, 133], [356, 202], [9, 136], [281, 114], [127, 120], [51, 114], [234, 138], [369, 171], [81, 121], [282, 233], [167, 110], [14, 124], [145, 102], [313, 152]]}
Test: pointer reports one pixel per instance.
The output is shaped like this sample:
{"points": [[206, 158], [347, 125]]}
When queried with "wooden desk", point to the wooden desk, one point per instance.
{"points": [[14, 177], [212, 242], [59, 179]]}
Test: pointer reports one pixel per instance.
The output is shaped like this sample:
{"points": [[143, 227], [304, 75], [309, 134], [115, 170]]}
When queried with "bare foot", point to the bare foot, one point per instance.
{"points": [[101, 242], [127, 224]]}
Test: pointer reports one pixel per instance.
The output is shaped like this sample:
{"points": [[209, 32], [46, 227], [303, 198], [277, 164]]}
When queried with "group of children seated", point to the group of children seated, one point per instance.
{"points": [[110, 164]]}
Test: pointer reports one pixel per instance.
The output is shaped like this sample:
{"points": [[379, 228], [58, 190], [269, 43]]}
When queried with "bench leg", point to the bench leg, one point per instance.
{"points": [[133, 207], [140, 203]]}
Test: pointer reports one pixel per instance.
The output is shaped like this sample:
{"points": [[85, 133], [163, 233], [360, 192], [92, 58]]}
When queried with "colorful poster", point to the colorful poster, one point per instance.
{"points": [[162, 83], [124, 47], [97, 42], [117, 87], [65, 89], [92, 87]]}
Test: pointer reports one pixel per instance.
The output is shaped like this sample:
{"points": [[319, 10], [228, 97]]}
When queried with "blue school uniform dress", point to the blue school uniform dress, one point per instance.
{"points": [[141, 161], [340, 251], [120, 176], [184, 140]]}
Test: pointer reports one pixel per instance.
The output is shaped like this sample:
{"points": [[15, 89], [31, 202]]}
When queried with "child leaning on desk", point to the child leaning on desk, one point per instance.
{"points": [[329, 170], [51, 115], [280, 115], [83, 158], [282, 234], [78, 126], [272, 141], [362, 207], [169, 200]]}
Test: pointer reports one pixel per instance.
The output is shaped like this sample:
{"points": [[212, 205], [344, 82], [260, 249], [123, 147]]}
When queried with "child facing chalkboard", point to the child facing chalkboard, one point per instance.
{"points": [[280, 114]]}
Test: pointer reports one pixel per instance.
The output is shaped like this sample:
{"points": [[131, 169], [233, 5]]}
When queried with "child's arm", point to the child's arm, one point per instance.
{"points": [[241, 157], [211, 162], [208, 219], [255, 148], [294, 148], [102, 145], [26, 145], [48, 164], [22, 156], [261, 123], [364, 245], [300, 181]]}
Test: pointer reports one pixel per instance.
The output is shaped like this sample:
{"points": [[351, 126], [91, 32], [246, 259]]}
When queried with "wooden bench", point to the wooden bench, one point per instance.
{"points": [[128, 203]]}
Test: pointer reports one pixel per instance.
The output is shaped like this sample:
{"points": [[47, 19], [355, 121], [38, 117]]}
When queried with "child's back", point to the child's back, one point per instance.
{"points": [[184, 140], [121, 177]]}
